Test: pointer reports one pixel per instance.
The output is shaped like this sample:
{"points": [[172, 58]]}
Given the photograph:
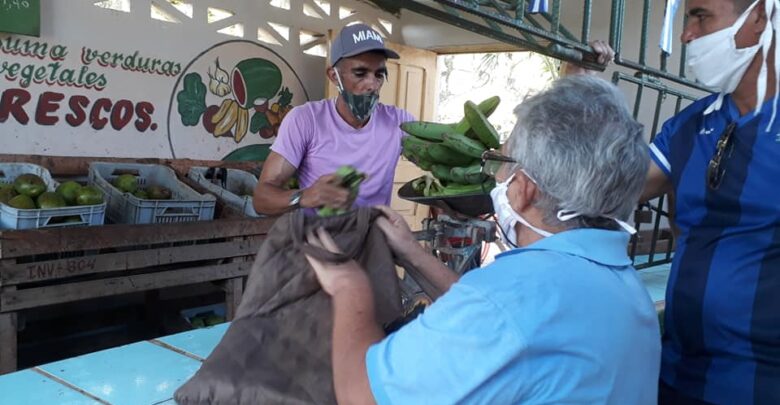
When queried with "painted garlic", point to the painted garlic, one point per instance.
{"points": [[219, 83]]}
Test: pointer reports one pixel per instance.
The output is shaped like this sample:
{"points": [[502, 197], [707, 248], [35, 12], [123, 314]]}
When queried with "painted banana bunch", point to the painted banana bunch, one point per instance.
{"points": [[452, 152], [230, 115]]}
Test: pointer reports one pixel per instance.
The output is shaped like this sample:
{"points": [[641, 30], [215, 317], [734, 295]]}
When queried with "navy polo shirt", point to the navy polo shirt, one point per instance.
{"points": [[722, 324]]}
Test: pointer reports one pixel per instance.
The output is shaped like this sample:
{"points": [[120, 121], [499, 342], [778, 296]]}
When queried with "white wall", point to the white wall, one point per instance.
{"points": [[190, 44]]}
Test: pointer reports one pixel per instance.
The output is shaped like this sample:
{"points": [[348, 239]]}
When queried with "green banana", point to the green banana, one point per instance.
{"points": [[467, 175], [487, 107], [350, 178], [412, 156], [481, 126], [442, 154], [454, 189], [441, 172], [465, 145], [418, 147], [430, 131]]}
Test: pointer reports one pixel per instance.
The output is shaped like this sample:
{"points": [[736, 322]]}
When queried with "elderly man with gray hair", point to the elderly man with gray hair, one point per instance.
{"points": [[562, 318]]}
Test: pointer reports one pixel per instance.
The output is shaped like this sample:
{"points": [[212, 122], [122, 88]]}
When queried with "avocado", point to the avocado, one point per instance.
{"points": [[89, 195], [158, 193], [30, 185], [72, 219], [69, 190], [212, 320], [6, 194], [22, 202], [142, 194], [50, 199], [126, 183]]}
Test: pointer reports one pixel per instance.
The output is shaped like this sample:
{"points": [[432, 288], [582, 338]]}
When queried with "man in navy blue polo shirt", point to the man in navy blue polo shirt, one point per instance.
{"points": [[721, 157], [563, 319]]}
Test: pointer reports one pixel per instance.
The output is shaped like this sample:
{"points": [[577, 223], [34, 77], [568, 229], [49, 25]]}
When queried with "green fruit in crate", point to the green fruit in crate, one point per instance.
{"points": [[212, 320], [22, 202], [72, 219], [30, 185], [69, 191], [49, 200], [158, 193], [142, 194], [6, 194], [126, 183], [89, 195]]}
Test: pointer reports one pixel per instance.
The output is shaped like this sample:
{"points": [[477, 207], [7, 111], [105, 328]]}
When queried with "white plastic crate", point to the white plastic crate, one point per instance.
{"points": [[13, 218], [185, 205], [237, 184]]}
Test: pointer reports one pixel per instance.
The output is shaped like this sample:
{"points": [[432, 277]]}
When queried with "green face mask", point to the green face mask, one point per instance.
{"points": [[361, 105]]}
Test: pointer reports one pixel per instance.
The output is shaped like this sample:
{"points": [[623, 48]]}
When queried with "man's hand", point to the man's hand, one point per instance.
{"points": [[326, 191], [399, 235], [603, 50], [334, 278], [604, 55]]}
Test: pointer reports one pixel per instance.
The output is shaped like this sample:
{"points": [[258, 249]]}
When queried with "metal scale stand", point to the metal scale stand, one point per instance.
{"points": [[458, 243]]}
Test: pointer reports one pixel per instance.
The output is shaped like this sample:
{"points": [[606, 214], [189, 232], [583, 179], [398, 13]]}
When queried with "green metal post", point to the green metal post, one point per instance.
{"points": [[556, 16], [520, 11], [586, 22], [643, 39]]}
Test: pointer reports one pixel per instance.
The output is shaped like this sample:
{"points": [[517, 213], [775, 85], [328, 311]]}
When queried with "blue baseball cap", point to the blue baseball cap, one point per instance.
{"points": [[356, 39]]}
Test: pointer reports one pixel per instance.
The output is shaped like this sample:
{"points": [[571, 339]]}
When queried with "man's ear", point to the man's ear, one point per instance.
{"points": [[331, 73], [759, 18], [521, 193]]}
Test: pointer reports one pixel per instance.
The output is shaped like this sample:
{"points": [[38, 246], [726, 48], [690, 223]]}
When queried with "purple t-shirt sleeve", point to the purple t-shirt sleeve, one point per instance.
{"points": [[294, 135]]}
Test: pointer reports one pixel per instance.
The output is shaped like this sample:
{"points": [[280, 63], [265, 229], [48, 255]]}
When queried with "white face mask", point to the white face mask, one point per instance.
{"points": [[507, 217], [715, 61]]}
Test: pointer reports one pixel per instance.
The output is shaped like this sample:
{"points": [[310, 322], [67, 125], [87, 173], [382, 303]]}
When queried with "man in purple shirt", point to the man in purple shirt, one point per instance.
{"points": [[316, 138]]}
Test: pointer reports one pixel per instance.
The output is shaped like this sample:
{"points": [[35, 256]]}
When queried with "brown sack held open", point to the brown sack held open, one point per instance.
{"points": [[278, 348]]}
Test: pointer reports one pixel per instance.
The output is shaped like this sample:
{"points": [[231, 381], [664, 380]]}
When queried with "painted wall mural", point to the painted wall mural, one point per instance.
{"points": [[234, 94], [202, 79]]}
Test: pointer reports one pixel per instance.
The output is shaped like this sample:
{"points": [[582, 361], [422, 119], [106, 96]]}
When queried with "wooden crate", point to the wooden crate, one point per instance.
{"points": [[46, 267]]}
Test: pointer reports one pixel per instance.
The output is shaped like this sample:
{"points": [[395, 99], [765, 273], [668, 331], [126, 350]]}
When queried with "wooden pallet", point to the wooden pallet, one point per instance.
{"points": [[49, 267]]}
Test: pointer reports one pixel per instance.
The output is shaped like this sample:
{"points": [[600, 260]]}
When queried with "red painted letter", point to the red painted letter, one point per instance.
{"points": [[48, 102], [12, 102], [102, 104]]}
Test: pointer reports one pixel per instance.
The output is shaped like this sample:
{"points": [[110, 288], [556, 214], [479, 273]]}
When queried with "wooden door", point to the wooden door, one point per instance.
{"points": [[411, 85]]}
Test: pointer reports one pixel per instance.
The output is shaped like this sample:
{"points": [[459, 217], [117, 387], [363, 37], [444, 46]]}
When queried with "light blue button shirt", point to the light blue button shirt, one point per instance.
{"points": [[565, 320]]}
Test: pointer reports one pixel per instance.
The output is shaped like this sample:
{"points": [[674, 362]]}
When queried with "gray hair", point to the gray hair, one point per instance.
{"points": [[586, 152]]}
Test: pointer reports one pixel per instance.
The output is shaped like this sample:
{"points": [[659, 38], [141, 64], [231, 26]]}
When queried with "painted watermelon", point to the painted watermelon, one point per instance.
{"points": [[255, 81]]}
